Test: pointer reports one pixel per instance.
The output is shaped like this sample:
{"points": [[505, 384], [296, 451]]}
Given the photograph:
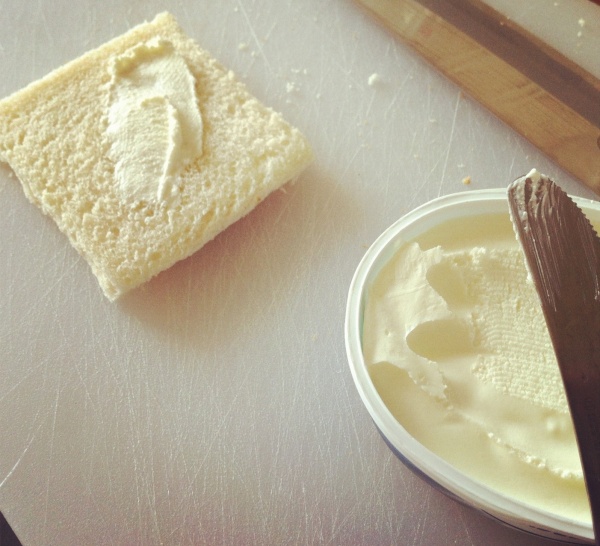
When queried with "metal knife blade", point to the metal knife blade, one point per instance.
{"points": [[562, 252]]}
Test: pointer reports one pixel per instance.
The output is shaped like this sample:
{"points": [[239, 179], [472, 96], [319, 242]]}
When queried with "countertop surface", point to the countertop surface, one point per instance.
{"points": [[215, 404]]}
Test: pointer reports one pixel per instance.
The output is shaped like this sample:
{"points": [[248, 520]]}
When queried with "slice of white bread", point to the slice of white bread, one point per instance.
{"points": [[52, 134]]}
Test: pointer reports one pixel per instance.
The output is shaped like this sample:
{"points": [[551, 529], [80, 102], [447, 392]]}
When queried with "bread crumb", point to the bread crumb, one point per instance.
{"points": [[374, 79], [466, 180]]}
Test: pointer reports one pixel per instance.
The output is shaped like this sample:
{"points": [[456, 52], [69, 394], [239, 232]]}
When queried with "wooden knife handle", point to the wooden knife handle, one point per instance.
{"points": [[559, 116]]}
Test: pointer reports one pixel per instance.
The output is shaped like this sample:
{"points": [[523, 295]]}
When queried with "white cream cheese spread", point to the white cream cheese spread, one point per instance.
{"points": [[154, 122], [457, 347]]}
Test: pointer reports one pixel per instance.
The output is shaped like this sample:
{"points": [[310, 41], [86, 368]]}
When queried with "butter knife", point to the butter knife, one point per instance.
{"points": [[562, 252]]}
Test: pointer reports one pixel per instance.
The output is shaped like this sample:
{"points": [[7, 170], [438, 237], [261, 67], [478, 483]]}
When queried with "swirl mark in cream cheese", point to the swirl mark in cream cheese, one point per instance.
{"points": [[455, 342]]}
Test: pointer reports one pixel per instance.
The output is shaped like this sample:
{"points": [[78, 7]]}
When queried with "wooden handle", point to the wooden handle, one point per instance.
{"points": [[569, 137]]}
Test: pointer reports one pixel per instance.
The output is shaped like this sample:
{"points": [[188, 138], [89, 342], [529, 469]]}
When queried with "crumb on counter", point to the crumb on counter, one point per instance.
{"points": [[374, 79], [466, 180]]}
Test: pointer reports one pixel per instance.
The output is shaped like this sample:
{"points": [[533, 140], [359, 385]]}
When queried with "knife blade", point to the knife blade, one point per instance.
{"points": [[562, 252]]}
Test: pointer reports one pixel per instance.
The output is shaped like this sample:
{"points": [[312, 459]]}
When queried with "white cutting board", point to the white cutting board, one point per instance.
{"points": [[215, 405]]}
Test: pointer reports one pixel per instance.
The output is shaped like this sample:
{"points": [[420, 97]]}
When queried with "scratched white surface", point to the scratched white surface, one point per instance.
{"points": [[215, 405]]}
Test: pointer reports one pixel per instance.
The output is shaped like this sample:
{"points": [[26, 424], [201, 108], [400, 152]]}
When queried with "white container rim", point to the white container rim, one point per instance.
{"points": [[508, 510]]}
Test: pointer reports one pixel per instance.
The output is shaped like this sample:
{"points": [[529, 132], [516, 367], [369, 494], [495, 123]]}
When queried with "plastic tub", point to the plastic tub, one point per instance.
{"points": [[428, 465]]}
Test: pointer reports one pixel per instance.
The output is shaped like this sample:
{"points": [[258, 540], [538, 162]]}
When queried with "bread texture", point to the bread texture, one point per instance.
{"points": [[53, 136]]}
